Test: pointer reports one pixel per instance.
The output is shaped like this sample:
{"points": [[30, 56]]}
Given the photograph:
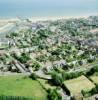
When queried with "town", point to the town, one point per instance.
{"points": [[50, 60]]}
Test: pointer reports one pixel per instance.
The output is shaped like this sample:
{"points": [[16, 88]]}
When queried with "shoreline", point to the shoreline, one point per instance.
{"points": [[36, 19]]}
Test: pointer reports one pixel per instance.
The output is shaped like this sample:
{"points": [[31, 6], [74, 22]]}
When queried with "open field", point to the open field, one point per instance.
{"points": [[78, 84], [21, 86], [94, 78]]}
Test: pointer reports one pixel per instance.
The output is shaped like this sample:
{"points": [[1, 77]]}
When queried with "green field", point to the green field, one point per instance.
{"points": [[21, 86]]}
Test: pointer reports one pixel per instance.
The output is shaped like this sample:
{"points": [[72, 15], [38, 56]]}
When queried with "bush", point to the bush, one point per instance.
{"points": [[57, 78], [90, 60], [92, 71], [36, 66], [33, 76], [54, 95], [72, 75], [89, 92], [24, 58], [13, 34]]}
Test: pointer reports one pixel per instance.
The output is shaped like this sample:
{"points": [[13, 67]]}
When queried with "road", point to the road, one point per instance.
{"points": [[13, 74]]}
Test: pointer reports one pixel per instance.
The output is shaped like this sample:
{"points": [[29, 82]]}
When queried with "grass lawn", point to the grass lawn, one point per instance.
{"points": [[78, 84], [21, 86], [94, 78]]}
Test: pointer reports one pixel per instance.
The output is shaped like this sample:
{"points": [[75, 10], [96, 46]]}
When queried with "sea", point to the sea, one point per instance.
{"points": [[47, 8]]}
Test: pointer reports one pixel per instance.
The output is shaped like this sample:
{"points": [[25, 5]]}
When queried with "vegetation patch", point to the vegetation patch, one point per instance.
{"points": [[46, 84], [94, 78], [77, 85], [21, 86]]}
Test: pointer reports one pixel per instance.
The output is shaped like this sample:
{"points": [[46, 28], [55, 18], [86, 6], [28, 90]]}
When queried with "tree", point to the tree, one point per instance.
{"points": [[24, 58], [36, 66], [13, 34], [33, 76], [64, 75], [57, 78], [54, 95]]}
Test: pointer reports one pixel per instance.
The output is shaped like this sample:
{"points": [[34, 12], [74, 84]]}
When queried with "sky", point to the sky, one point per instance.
{"points": [[50, 2], [47, 7]]}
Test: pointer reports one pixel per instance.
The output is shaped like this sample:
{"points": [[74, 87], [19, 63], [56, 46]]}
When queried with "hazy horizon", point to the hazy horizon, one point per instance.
{"points": [[41, 8]]}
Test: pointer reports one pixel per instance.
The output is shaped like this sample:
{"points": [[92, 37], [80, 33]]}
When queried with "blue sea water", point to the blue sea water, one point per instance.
{"points": [[44, 8]]}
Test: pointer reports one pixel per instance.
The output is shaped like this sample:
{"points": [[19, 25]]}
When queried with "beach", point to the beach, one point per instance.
{"points": [[35, 19], [53, 18]]}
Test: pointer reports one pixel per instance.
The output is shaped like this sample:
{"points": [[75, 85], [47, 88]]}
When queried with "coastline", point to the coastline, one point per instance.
{"points": [[7, 23], [36, 19]]}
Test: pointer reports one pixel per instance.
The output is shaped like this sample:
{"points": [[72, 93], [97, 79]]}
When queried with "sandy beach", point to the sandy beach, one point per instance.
{"points": [[52, 18], [35, 19]]}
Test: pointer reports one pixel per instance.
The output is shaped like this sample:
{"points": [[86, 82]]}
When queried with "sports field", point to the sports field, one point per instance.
{"points": [[21, 86]]}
